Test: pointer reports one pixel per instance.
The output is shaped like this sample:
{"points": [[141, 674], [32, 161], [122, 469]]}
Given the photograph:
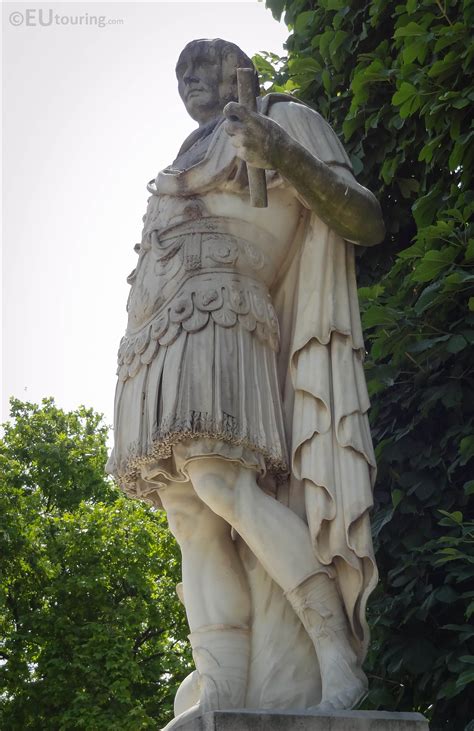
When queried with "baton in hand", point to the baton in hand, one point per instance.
{"points": [[256, 176]]}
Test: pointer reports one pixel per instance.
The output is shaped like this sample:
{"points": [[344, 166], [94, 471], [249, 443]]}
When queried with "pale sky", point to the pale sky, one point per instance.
{"points": [[90, 115]]}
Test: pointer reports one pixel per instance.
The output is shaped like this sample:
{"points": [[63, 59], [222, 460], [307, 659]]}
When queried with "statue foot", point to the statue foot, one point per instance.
{"points": [[221, 655], [318, 605], [344, 683], [343, 700], [185, 717]]}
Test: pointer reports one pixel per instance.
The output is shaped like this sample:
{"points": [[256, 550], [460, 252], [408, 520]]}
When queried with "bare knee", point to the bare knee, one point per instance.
{"points": [[182, 508], [213, 484], [180, 523], [221, 485], [190, 521]]}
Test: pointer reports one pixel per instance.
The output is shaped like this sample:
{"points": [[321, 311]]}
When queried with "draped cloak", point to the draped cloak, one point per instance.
{"points": [[325, 405]]}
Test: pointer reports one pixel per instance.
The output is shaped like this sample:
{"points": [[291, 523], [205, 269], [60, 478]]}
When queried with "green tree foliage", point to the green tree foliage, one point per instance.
{"points": [[395, 81], [92, 633]]}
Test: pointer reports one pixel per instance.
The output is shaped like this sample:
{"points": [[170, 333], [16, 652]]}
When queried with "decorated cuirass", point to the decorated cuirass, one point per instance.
{"points": [[197, 269]]}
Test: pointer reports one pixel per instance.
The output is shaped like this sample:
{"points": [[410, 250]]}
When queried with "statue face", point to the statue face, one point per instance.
{"points": [[198, 87], [206, 82]]}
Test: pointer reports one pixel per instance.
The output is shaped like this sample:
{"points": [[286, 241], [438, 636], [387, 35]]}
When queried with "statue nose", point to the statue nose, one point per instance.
{"points": [[190, 79], [190, 76]]}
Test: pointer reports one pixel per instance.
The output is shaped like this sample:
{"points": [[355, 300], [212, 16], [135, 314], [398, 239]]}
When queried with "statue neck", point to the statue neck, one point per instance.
{"points": [[194, 147]]}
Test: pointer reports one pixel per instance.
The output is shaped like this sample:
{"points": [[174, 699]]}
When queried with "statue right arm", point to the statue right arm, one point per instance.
{"points": [[331, 192]]}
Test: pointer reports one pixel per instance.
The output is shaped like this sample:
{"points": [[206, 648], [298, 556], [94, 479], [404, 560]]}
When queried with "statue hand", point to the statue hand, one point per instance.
{"points": [[254, 136]]}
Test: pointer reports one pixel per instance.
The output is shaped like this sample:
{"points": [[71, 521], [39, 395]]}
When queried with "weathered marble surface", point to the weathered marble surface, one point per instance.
{"points": [[337, 721], [241, 407]]}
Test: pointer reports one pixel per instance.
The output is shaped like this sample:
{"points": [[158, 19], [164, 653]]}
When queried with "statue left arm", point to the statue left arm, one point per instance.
{"points": [[332, 193]]}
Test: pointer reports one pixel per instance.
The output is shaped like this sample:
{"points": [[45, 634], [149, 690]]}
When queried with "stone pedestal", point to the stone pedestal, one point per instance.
{"points": [[293, 721]]}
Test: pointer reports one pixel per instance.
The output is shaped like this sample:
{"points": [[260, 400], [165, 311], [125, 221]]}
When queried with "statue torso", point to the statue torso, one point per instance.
{"points": [[209, 255]]}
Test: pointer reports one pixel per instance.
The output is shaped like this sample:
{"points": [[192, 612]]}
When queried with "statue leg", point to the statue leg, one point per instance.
{"points": [[277, 536], [317, 603], [217, 602], [214, 583], [282, 543]]}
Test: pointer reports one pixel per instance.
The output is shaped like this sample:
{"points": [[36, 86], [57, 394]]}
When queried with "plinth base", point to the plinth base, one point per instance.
{"points": [[309, 721]]}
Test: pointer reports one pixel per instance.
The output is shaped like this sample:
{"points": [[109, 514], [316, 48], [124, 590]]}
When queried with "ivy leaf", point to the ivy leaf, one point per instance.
{"points": [[326, 78], [408, 186], [459, 277], [377, 315], [397, 497], [357, 164], [433, 263], [456, 343], [428, 296], [466, 449], [469, 487], [469, 253], [410, 29], [380, 520], [465, 679], [407, 98], [444, 66], [426, 207], [304, 20], [455, 517], [426, 344], [333, 4], [428, 150]]}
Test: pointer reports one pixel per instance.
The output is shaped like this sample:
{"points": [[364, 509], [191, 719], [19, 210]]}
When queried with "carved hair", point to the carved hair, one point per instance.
{"points": [[228, 55]]}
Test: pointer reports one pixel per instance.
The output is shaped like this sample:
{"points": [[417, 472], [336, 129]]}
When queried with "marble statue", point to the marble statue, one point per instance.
{"points": [[241, 405]]}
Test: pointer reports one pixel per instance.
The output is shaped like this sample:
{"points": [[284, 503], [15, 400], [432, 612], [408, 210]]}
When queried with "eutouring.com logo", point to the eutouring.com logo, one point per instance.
{"points": [[46, 17]]}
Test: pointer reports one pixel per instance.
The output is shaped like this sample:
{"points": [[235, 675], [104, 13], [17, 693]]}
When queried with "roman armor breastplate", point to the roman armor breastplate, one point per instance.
{"points": [[197, 271]]}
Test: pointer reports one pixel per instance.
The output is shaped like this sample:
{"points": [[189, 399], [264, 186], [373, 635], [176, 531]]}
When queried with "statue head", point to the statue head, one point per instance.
{"points": [[207, 76]]}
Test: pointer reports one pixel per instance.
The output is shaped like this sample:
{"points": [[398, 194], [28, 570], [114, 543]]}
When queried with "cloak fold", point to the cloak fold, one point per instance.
{"points": [[326, 396]]}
